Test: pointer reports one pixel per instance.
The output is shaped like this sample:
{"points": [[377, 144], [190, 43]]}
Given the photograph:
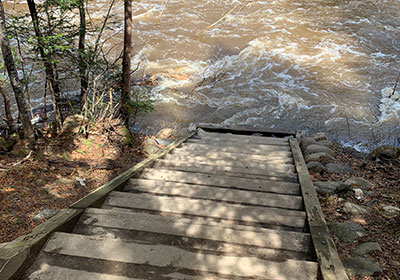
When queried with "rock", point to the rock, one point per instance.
{"points": [[327, 187], [325, 143], [348, 231], [359, 182], [166, 133], [315, 167], [359, 194], [45, 214], [73, 123], [354, 209], [320, 157], [386, 152], [126, 133], [313, 149], [65, 181], [163, 142], [390, 211], [320, 136], [7, 144], [359, 266], [151, 149], [338, 168], [366, 248], [81, 181], [305, 142]]}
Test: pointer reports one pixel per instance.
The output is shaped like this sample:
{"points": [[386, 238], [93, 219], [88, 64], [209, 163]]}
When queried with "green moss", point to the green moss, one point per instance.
{"points": [[386, 152], [128, 138]]}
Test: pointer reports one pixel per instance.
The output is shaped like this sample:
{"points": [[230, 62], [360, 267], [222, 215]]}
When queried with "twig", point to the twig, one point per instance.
{"points": [[395, 85], [22, 160]]}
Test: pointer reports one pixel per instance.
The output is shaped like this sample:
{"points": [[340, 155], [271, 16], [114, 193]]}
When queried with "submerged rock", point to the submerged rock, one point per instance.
{"points": [[360, 266], [348, 231]]}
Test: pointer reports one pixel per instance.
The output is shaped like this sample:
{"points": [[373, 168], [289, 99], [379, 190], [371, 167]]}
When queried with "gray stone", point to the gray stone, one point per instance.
{"points": [[338, 168], [359, 266], [73, 123], [348, 231], [328, 187], [354, 209], [315, 167], [44, 214], [358, 193], [306, 141], [390, 211], [358, 182], [313, 149], [319, 157], [366, 248], [163, 142], [320, 136]]}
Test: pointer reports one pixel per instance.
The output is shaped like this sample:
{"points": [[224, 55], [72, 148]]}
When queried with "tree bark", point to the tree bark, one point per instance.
{"points": [[50, 72], [126, 62], [7, 105], [14, 80], [81, 51]]}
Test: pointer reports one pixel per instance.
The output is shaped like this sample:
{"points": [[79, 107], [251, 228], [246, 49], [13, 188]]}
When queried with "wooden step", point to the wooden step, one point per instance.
{"points": [[229, 147], [213, 193], [230, 171], [274, 164], [161, 258], [196, 229], [221, 181], [224, 137], [233, 156], [207, 208]]}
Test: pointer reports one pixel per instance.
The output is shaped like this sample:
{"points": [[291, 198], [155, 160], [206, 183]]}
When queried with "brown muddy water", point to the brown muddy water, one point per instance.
{"points": [[325, 65]]}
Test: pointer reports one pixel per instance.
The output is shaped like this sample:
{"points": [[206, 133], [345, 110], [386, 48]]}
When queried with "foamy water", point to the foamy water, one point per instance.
{"points": [[316, 65]]}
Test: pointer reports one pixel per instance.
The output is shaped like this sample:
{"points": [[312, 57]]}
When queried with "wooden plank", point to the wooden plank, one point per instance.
{"points": [[225, 170], [207, 208], [232, 156], [242, 235], [221, 181], [275, 165], [245, 130], [98, 194], [20, 253], [162, 256], [217, 194], [235, 147], [329, 262], [217, 140]]}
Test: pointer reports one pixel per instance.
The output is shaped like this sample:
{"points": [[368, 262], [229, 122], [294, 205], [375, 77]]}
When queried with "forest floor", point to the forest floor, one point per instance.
{"points": [[59, 172], [385, 190]]}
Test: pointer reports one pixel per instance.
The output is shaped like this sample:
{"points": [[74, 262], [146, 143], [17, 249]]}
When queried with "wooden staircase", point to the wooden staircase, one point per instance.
{"points": [[221, 206]]}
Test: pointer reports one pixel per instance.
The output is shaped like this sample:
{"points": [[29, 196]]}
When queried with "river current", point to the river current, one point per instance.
{"points": [[321, 65]]}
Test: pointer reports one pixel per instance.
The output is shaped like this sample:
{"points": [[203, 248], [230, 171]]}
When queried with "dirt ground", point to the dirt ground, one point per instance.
{"points": [[49, 178], [385, 190]]}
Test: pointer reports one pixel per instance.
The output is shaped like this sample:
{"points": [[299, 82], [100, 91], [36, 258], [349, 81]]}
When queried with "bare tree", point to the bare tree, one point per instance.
{"points": [[7, 105], [82, 59], [14, 80], [126, 62]]}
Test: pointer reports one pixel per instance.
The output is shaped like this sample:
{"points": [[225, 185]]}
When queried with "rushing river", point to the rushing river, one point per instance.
{"points": [[324, 65]]}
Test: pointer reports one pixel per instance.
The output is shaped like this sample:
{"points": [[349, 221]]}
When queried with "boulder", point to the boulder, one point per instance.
{"points": [[319, 157], [320, 136], [338, 168], [387, 152], [354, 209], [358, 182], [315, 167], [360, 266], [347, 231], [366, 248], [127, 135], [73, 123], [305, 142], [327, 187], [313, 149], [390, 211], [166, 133], [45, 214]]}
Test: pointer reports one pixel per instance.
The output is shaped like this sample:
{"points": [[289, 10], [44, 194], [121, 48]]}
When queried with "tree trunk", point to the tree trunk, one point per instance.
{"points": [[81, 50], [7, 105], [14, 80], [50, 73], [126, 62]]}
